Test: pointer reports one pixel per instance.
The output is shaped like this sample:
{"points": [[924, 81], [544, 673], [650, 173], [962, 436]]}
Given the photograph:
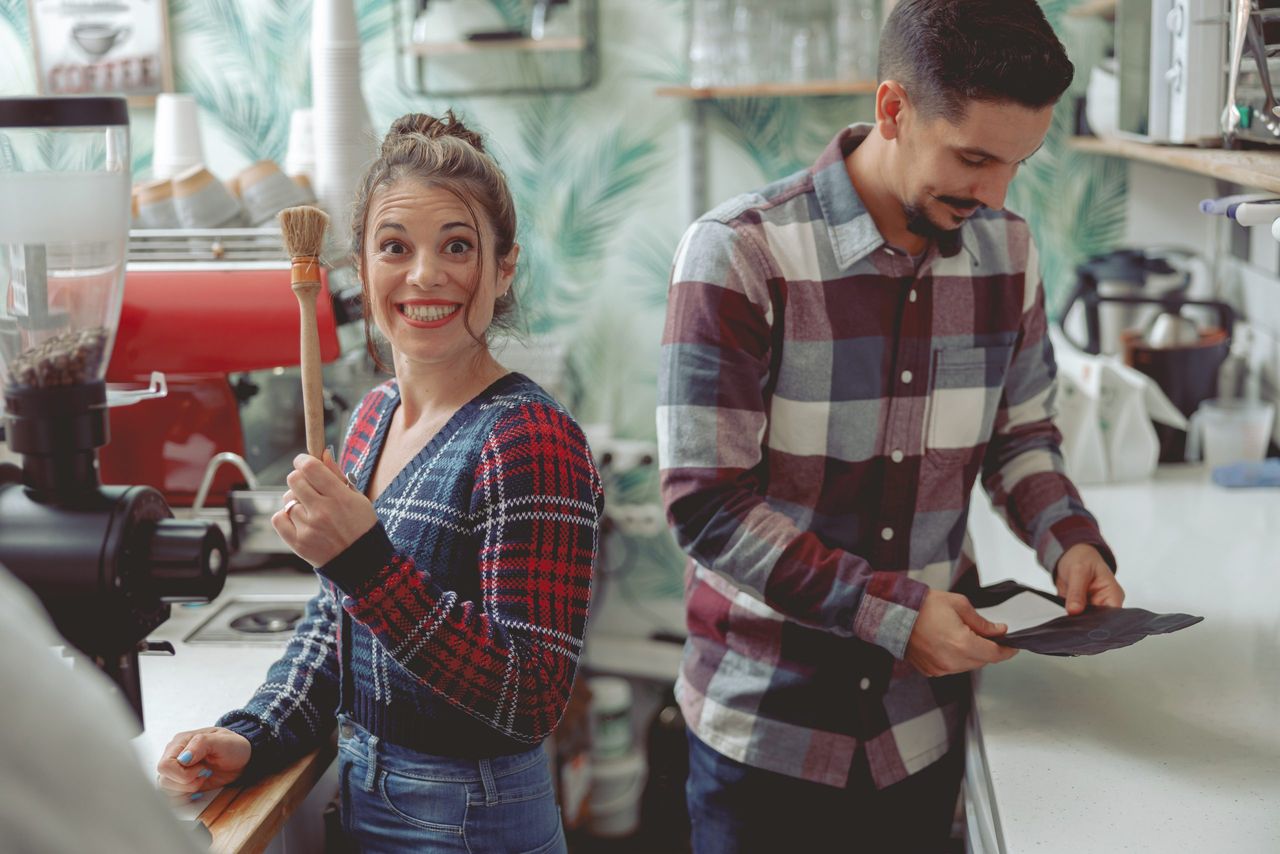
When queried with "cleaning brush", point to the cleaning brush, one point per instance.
{"points": [[303, 231]]}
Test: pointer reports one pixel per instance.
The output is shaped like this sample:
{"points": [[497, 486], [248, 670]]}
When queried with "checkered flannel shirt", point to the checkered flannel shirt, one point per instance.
{"points": [[825, 408]]}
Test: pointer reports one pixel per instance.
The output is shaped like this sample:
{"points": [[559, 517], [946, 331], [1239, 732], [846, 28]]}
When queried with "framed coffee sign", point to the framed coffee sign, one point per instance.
{"points": [[101, 47]]}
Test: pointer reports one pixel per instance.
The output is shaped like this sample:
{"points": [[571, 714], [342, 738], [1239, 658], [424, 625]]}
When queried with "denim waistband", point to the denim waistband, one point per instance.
{"points": [[425, 766]]}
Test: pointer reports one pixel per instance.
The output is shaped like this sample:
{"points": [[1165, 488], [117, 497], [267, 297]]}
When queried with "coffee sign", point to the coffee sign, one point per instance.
{"points": [[101, 47]]}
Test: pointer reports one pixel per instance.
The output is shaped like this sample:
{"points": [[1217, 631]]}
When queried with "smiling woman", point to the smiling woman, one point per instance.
{"points": [[455, 541], [433, 174], [423, 269]]}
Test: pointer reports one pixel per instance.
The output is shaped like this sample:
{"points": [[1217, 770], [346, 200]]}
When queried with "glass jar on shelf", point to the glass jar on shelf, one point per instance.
{"points": [[810, 38], [747, 27], [856, 26], [710, 38]]}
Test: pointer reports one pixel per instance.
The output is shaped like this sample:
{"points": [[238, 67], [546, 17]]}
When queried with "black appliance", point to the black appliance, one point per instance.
{"points": [[105, 561], [1186, 372]]}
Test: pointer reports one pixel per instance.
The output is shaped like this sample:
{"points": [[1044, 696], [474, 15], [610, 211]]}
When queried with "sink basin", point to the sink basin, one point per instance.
{"points": [[251, 620]]}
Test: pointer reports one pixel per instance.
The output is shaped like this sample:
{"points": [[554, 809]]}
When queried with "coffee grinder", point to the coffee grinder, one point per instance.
{"points": [[106, 561]]}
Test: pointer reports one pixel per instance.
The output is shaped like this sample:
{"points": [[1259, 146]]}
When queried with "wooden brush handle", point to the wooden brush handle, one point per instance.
{"points": [[306, 289]]}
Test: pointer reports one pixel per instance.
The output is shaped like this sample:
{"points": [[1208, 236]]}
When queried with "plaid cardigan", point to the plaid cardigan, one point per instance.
{"points": [[825, 408], [454, 626]]}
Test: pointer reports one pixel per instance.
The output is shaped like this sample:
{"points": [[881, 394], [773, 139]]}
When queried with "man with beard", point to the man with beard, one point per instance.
{"points": [[846, 352]]}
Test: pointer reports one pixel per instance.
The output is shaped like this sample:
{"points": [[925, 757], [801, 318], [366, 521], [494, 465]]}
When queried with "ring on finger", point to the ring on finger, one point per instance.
{"points": [[289, 505]]}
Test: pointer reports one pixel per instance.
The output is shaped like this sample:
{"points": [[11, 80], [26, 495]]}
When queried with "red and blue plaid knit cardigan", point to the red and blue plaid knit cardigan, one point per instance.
{"points": [[455, 625]]}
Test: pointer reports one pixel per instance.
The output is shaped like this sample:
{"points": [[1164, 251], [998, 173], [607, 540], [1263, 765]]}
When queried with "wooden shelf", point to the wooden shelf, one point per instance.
{"points": [[1095, 8], [563, 44], [771, 90], [1259, 169]]}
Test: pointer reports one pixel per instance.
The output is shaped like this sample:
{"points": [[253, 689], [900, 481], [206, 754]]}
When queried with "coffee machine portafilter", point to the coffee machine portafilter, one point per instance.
{"points": [[106, 561]]}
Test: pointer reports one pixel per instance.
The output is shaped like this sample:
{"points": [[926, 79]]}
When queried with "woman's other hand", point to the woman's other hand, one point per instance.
{"points": [[202, 759]]}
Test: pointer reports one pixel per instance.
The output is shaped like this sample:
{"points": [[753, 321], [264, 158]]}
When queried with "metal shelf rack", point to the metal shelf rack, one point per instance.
{"points": [[415, 59]]}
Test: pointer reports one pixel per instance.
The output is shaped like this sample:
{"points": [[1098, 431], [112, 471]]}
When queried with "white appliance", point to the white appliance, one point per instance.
{"points": [[1194, 81], [1172, 59]]}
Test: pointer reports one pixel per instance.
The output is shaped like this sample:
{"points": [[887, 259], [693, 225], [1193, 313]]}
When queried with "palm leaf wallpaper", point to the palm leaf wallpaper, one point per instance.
{"points": [[13, 14], [1074, 203], [17, 69], [597, 175]]}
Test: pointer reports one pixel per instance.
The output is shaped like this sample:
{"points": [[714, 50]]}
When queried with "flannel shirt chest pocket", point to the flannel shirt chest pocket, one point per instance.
{"points": [[967, 385]]}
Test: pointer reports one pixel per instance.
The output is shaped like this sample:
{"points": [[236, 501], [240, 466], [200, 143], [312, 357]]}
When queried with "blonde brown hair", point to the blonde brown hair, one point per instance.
{"points": [[445, 153]]}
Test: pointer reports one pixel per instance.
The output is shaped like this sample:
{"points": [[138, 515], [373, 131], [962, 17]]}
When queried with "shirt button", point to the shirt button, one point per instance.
{"points": [[912, 296], [896, 456], [865, 683], [906, 376], [347, 730], [886, 534]]}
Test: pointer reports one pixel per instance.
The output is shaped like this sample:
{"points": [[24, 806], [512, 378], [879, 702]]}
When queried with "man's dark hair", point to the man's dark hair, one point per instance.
{"points": [[946, 53]]}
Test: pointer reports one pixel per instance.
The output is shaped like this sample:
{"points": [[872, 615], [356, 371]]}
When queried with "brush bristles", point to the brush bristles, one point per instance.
{"points": [[303, 230]]}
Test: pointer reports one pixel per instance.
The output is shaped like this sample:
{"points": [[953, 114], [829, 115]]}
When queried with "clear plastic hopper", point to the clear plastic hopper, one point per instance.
{"points": [[64, 224]]}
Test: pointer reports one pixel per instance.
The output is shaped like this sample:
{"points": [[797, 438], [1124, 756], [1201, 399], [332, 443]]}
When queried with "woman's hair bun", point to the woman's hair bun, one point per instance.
{"points": [[432, 128]]}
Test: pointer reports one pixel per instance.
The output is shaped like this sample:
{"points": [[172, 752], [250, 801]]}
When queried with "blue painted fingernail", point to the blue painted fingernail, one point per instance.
{"points": [[197, 796], [205, 772], [184, 757]]}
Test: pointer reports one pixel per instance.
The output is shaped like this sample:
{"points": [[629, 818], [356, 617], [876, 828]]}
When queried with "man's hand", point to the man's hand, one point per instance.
{"points": [[951, 637], [1083, 577]]}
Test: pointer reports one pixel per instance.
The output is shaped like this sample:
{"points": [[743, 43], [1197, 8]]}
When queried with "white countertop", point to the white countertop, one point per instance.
{"points": [[1169, 745], [200, 683]]}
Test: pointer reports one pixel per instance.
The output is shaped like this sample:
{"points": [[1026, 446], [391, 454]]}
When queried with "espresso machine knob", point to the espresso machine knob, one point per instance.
{"points": [[186, 560]]}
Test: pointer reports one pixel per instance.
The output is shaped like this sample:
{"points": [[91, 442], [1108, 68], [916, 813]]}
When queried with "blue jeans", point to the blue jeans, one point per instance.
{"points": [[398, 800], [737, 809]]}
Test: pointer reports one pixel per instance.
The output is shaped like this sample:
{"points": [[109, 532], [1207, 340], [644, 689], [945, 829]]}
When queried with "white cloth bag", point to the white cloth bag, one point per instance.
{"points": [[1105, 410]]}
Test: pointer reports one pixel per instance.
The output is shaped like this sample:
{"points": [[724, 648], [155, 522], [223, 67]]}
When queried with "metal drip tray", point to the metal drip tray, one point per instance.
{"points": [[261, 621], [268, 621]]}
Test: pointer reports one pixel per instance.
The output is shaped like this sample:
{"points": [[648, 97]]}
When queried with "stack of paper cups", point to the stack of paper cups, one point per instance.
{"points": [[265, 191], [300, 159], [343, 134], [177, 144]]}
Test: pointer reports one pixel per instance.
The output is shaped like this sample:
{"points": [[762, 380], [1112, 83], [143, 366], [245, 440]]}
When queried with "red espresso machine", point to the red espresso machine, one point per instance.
{"points": [[205, 308]]}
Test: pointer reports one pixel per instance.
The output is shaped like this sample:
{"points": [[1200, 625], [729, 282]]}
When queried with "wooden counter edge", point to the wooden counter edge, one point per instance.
{"points": [[245, 820]]}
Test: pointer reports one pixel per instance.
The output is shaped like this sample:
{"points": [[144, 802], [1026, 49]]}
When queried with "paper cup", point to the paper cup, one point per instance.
{"points": [[300, 158], [203, 202], [304, 185], [177, 135], [155, 205], [333, 22], [265, 191]]}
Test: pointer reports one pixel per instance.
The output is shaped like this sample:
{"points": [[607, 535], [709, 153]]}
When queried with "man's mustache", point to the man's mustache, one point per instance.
{"points": [[957, 202]]}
